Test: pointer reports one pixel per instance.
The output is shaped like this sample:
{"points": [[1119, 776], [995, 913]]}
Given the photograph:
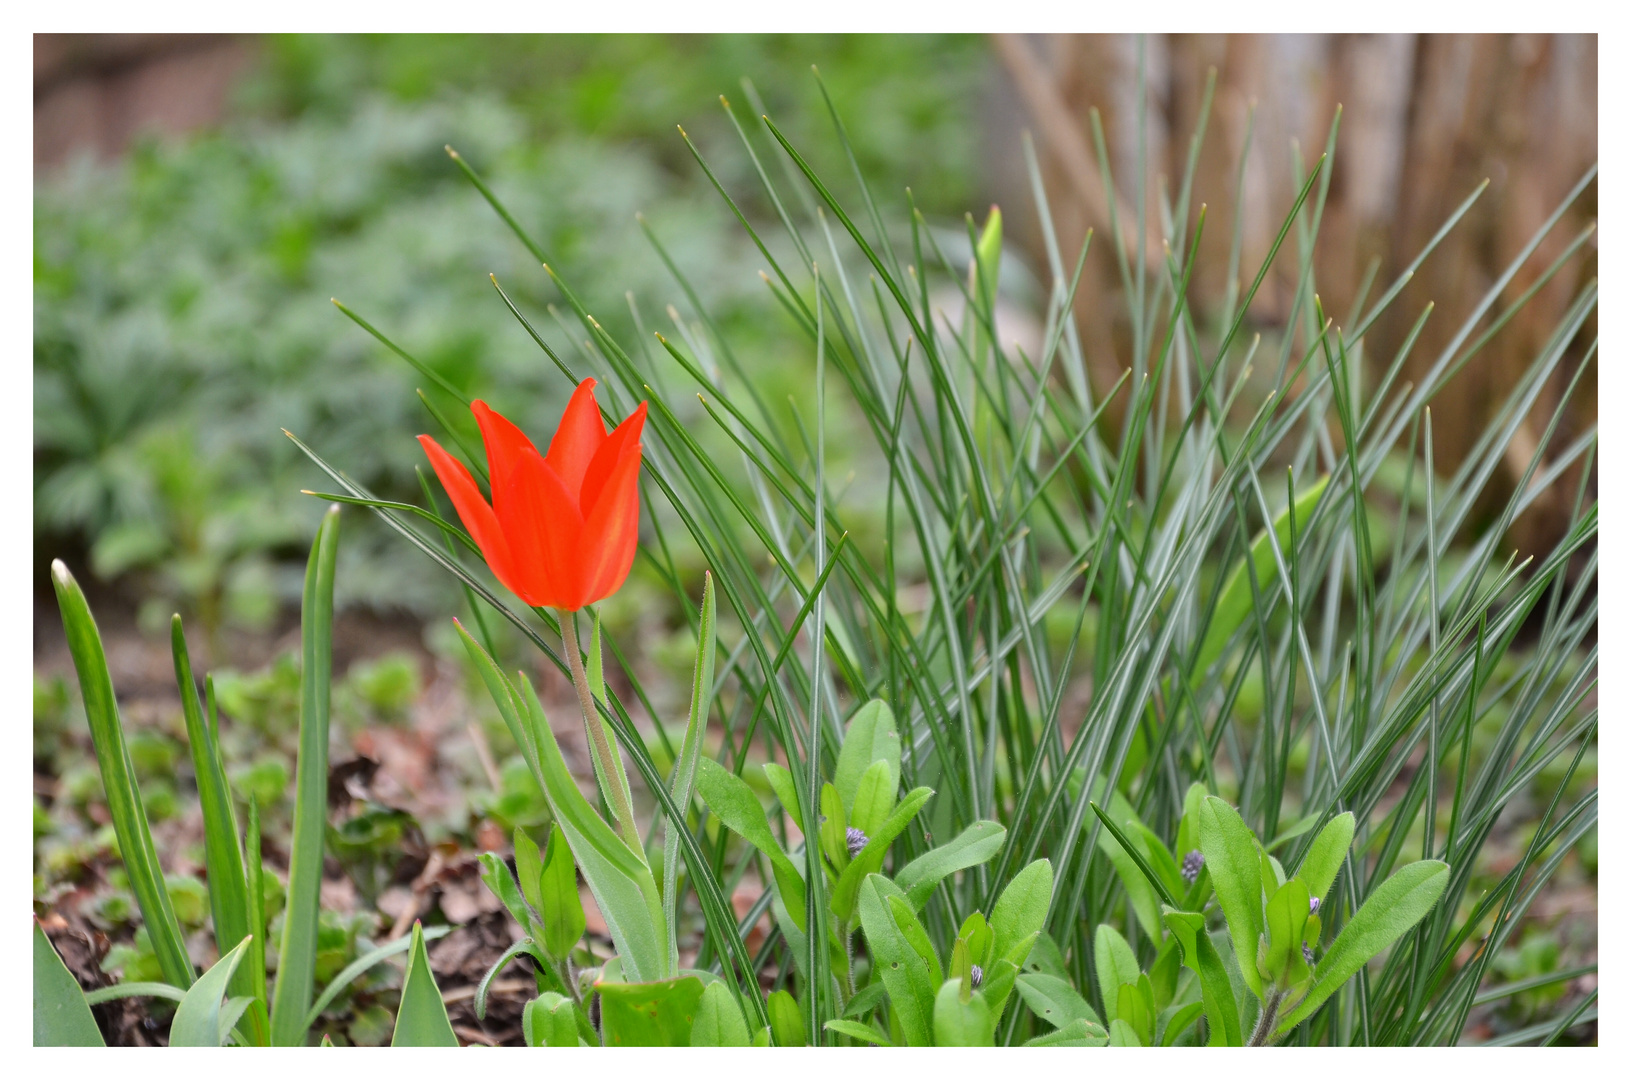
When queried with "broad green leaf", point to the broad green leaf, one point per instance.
{"points": [[973, 846], [421, 1018], [1115, 964], [297, 952], [977, 932], [903, 971], [560, 906], [1189, 836], [685, 769], [1075, 1033], [781, 782], [1217, 997], [958, 1022], [874, 798], [1135, 1006], [1022, 909], [547, 1020], [865, 1000], [719, 1022], [856, 1030], [119, 780], [786, 1020], [61, 1017], [529, 870], [649, 1013], [1232, 860], [1122, 1034], [870, 860], [997, 985], [1054, 999], [739, 810], [1393, 907], [1323, 862], [917, 937], [871, 736], [223, 858], [619, 879], [199, 1020], [1235, 594]]}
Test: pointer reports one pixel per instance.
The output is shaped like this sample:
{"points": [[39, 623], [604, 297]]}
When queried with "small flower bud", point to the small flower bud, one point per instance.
{"points": [[1192, 866], [975, 975], [855, 840], [1308, 956], [1313, 905]]}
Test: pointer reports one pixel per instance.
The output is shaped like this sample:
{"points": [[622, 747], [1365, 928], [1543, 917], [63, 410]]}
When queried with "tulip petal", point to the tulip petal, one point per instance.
{"points": [[610, 453], [580, 435], [612, 529], [473, 510], [506, 444], [541, 521]]}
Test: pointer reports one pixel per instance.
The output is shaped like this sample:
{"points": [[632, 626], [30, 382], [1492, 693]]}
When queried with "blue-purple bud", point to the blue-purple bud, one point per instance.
{"points": [[1313, 905], [855, 840], [975, 975], [1192, 866]]}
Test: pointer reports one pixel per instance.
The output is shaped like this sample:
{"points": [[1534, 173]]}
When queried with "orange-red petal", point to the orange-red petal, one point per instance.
{"points": [[579, 437], [541, 521], [612, 529], [610, 453], [473, 510], [505, 443]]}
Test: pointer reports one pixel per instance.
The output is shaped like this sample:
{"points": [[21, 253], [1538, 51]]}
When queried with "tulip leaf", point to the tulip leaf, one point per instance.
{"points": [[1393, 907], [119, 781], [719, 1022], [871, 736], [619, 879], [973, 846], [905, 974], [958, 1022], [61, 1016], [1323, 861], [685, 769], [421, 1018], [199, 1019], [1232, 860], [1054, 999], [649, 1013]]}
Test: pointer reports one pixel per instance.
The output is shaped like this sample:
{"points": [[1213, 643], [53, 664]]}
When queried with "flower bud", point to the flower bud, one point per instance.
{"points": [[975, 975], [1192, 866], [855, 840], [1313, 905]]}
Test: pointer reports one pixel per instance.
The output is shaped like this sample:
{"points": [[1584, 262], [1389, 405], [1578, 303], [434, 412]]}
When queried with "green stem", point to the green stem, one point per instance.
{"points": [[1263, 1033], [599, 742]]}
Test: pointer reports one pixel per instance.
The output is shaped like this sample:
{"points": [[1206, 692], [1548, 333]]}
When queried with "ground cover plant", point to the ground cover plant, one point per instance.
{"points": [[1315, 683]]}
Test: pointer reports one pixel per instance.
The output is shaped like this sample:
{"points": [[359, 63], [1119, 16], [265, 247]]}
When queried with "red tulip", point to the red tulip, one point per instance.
{"points": [[562, 526]]}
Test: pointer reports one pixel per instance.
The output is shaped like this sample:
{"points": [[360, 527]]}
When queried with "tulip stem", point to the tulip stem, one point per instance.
{"points": [[607, 765]]}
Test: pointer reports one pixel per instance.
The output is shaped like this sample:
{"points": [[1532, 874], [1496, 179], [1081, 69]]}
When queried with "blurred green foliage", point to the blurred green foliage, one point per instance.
{"points": [[181, 314]]}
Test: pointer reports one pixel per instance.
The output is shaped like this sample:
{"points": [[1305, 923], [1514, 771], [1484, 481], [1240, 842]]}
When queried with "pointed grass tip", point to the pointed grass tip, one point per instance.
{"points": [[59, 570]]}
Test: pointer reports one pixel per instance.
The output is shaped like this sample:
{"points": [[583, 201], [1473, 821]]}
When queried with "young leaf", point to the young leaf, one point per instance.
{"points": [[1323, 862], [1232, 860], [1217, 996], [871, 736], [548, 1020], [1395, 906], [786, 1020], [61, 1017], [1179, 1022], [1115, 964], [781, 782], [1123, 1034], [719, 1022], [199, 1019], [1284, 917], [856, 1030], [958, 1022], [529, 870], [1075, 1033], [649, 1013], [496, 876], [834, 844], [874, 798], [1022, 909], [421, 1018], [870, 860], [973, 846], [738, 809]]}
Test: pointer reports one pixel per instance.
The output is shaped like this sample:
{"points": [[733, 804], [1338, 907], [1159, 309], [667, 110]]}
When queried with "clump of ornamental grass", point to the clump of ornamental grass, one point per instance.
{"points": [[963, 848]]}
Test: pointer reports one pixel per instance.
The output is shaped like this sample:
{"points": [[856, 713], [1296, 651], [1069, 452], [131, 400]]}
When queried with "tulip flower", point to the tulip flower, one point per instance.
{"points": [[561, 529]]}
